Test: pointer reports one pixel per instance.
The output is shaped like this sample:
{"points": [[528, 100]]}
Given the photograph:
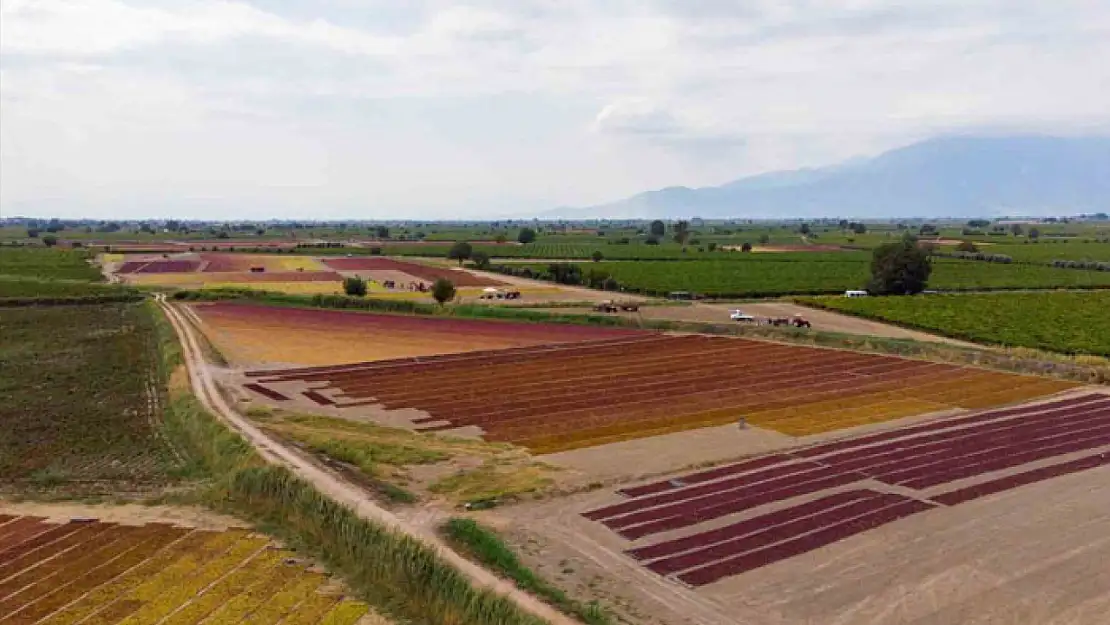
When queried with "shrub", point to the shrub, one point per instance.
{"points": [[460, 251], [443, 290], [526, 235], [746, 247], [50, 240], [597, 256], [354, 286]]}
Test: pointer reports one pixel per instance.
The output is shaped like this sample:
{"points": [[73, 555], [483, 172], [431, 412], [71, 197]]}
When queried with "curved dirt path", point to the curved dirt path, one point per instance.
{"points": [[204, 387]]}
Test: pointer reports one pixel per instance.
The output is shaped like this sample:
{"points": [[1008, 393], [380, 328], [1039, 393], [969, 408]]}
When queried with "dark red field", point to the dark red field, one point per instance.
{"points": [[918, 458], [554, 399], [159, 266]]}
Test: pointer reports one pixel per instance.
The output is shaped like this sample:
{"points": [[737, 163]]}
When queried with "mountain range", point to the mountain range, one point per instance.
{"points": [[942, 177]]}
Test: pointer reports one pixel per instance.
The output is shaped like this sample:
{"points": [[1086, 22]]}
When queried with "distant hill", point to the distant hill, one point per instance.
{"points": [[944, 177]]}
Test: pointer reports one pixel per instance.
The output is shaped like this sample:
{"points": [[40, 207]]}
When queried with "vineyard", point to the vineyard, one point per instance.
{"points": [[88, 375], [255, 333], [830, 492], [105, 573], [583, 249], [1069, 322], [561, 397], [46, 264], [769, 275]]}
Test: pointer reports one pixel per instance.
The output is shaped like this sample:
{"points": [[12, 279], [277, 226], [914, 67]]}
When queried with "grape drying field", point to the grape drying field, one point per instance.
{"points": [[251, 333], [836, 490], [632, 385], [93, 572]]}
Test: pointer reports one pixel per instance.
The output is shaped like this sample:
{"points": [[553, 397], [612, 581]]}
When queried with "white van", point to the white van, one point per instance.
{"points": [[855, 293]]}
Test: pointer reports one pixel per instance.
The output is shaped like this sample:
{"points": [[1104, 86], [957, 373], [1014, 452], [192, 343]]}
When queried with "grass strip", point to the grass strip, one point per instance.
{"points": [[485, 546]]}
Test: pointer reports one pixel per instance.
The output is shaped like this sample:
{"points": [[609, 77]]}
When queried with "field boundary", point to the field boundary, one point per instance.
{"points": [[306, 486]]}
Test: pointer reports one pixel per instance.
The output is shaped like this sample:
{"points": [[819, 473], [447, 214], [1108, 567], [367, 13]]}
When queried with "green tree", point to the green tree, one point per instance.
{"points": [[460, 251], [804, 229], [32, 233], [746, 247], [658, 228], [764, 239], [527, 235], [480, 259], [443, 290], [1016, 230], [354, 286], [899, 268], [681, 232], [50, 240], [381, 232], [1034, 234], [712, 247], [597, 256], [500, 238]]}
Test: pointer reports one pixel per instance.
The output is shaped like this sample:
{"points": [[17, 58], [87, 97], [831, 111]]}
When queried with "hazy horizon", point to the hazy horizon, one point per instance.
{"points": [[373, 110]]}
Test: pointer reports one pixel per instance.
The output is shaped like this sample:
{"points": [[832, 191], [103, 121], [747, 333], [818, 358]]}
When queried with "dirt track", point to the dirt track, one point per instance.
{"points": [[204, 387]]}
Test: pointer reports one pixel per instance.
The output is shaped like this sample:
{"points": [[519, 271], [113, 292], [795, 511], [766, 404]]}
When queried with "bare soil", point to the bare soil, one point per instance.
{"points": [[126, 514]]}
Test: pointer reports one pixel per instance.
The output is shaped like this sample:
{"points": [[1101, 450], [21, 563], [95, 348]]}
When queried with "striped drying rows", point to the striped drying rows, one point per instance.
{"points": [[814, 480], [557, 398], [96, 573]]}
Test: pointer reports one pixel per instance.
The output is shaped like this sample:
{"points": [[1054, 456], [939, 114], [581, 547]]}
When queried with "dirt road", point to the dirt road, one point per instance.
{"points": [[204, 387]]}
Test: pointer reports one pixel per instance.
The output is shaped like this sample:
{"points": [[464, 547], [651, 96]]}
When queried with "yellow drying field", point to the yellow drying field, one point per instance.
{"points": [[96, 573], [250, 333]]}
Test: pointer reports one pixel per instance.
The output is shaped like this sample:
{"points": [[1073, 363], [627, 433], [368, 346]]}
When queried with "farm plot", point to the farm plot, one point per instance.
{"points": [[771, 274], [81, 403], [416, 270], [107, 573], [831, 491], [1070, 322], [557, 398], [46, 264], [232, 263], [248, 333]]}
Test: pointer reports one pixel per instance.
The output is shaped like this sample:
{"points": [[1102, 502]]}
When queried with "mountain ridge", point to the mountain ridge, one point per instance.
{"points": [[956, 176]]}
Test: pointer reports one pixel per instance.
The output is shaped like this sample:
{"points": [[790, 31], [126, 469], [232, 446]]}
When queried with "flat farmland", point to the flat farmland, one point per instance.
{"points": [[997, 516], [426, 273], [248, 333], [81, 397], [1070, 322], [562, 397], [107, 573], [774, 274]]}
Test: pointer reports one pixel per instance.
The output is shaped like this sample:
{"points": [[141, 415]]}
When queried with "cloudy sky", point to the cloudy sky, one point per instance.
{"points": [[390, 109]]}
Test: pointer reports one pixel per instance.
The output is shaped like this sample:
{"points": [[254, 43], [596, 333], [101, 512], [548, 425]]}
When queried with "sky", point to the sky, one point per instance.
{"points": [[380, 109]]}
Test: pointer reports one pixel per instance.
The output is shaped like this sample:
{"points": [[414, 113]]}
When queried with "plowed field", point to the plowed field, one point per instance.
{"points": [[557, 398], [104, 573], [836, 490], [248, 333], [421, 272]]}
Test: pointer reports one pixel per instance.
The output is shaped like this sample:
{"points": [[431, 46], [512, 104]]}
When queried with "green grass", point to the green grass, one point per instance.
{"points": [[31, 288], [81, 396], [1068, 322], [486, 547], [47, 263]]}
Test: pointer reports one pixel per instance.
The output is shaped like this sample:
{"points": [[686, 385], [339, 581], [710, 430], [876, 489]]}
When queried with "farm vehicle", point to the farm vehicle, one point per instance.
{"points": [[613, 307]]}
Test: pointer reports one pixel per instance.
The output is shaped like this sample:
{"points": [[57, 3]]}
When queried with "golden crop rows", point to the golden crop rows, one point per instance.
{"points": [[155, 574]]}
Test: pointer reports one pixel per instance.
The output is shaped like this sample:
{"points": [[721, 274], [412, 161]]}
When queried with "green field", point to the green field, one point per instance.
{"points": [[1069, 322], [767, 275], [81, 400], [46, 264]]}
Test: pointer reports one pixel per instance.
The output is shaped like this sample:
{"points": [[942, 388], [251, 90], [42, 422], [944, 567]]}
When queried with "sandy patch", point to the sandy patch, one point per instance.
{"points": [[126, 514]]}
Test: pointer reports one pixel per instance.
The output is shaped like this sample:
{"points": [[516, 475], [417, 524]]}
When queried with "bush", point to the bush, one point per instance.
{"points": [[526, 235], [354, 286], [443, 290], [746, 247], [50, 240], [597, 256], [460, 251], [712, 247], [480, 260], [966, 246]]}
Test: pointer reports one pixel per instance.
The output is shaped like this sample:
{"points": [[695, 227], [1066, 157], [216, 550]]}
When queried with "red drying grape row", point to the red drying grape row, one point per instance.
{"points": [[748, 526], [851, 443], [983, 489], [697, 492], [770, 535], [269, 393], [318, 398], [802, 544], [158, 266]]}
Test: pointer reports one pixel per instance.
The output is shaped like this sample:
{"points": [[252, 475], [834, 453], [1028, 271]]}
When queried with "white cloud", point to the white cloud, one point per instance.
{"points": [[508, 102]]}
